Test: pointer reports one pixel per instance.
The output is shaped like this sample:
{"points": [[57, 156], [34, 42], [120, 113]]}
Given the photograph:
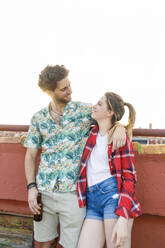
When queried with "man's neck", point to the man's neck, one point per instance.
{"points": [[57, 107]]}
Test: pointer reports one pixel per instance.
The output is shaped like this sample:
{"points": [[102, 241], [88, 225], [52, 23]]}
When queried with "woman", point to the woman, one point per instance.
{"points": [[107, 180]]}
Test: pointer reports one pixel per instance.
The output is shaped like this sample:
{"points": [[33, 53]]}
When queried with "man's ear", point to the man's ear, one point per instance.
{"points": [[49, 92]]}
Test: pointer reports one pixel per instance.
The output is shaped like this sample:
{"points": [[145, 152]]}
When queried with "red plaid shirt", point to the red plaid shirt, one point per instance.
{"points": [[121, 164]]}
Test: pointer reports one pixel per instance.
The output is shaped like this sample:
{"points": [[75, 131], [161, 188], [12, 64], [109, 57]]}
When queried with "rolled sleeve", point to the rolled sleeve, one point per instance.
{"points": [[33, 138]]}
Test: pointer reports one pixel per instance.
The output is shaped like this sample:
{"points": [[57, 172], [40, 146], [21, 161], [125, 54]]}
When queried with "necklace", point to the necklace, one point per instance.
{"points": [[53, 111], [56, 117], [56, 112]]}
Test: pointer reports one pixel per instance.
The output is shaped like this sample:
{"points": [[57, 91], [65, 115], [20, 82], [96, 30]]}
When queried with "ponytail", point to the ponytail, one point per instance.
{"points": [[131, 118]]}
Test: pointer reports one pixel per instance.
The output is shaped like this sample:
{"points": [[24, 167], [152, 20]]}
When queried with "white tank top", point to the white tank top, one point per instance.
{"points": [[97, 165]]}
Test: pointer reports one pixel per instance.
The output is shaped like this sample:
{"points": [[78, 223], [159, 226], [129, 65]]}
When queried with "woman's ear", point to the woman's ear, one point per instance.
{"points": [[110, 113]]}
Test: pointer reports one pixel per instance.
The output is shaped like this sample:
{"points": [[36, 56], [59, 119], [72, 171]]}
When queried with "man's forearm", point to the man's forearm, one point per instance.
{"points": [[30, 171]]}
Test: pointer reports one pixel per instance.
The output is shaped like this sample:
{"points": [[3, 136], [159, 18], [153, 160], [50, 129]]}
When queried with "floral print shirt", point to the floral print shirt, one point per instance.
{"points": [[62, 145]]}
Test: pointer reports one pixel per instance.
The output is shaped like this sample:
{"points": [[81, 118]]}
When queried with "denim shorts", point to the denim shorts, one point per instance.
{"points": [[102, 200]]}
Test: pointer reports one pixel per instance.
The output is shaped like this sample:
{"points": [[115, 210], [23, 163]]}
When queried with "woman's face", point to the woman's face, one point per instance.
{"points": [[100, 110]]}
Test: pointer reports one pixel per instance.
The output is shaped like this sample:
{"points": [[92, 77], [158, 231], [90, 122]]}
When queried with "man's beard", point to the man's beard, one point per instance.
{"points": [[63, 100]]}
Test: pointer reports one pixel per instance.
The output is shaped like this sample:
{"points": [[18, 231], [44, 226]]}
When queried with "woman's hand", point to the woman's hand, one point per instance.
{"points": [[120, 232]]}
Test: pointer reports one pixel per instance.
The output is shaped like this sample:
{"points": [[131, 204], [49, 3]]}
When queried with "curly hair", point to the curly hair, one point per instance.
{"points": [[50, 75]]}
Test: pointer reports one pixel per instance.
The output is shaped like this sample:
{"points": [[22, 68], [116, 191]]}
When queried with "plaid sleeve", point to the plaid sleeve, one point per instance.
{"points": [[33, 138], [128, 206]]}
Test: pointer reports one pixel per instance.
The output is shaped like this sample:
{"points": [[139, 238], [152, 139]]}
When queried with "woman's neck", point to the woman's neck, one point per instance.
{"points": [[104, 126]]}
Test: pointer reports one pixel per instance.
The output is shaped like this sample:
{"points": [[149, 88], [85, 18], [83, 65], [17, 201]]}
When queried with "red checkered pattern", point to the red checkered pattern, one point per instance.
{"points": [[122, 167]]}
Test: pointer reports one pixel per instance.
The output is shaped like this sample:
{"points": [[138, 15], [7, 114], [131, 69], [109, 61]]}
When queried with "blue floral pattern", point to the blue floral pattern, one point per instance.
{"points": [[62, 145]]}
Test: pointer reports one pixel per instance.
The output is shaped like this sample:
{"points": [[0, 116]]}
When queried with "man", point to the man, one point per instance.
{"points": [[61, 130]]}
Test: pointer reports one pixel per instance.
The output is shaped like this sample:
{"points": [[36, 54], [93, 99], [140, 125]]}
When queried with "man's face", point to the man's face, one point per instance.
{"points": [[63, 91]]}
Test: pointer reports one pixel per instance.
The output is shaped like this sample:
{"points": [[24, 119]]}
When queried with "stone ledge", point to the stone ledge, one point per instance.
{"points": [[12, 137], [149, 149]]}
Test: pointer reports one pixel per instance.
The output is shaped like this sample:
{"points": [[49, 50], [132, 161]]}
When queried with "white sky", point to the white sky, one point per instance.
{"points": [[114, 45]]}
